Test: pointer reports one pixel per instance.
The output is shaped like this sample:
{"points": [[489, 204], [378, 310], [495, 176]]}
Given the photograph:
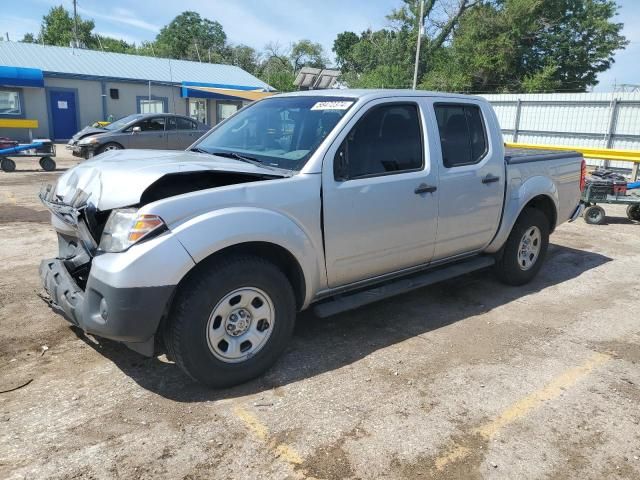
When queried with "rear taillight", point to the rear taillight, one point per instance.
{"points": [[583, 175]]}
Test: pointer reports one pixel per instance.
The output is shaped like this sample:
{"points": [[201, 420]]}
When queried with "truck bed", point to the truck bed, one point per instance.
{"points": [[514, 156]]}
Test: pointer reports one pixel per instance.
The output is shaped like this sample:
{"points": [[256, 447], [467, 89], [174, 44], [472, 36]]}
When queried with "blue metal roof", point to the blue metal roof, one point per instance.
{"points": [[91, 63]]}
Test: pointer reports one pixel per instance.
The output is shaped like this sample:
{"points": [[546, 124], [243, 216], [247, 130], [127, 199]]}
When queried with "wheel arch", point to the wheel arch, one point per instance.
{"points": [[546, 205], [278, 255], [537, 192]]}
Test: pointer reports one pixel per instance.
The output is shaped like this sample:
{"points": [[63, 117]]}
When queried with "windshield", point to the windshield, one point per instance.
{"points": [[121, 122], [281, 132]]}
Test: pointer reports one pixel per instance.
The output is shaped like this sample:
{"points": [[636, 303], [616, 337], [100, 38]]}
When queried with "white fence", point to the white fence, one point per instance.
{"points": [[601, 120]]}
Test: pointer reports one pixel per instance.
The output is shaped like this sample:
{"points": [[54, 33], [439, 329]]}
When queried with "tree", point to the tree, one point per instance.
{"points": [[108, 44], [58, 29], [280, 65], [368, 58], [191, 37], [244, 57], [530, 45], [306, 53], [29, 38]]}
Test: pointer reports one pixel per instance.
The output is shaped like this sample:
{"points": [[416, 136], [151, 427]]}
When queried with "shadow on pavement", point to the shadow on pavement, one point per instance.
{"points": [[321, 345]]}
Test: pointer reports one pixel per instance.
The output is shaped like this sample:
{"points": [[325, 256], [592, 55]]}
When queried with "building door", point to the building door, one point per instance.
{"points": [[64, 118], [198, 109]]}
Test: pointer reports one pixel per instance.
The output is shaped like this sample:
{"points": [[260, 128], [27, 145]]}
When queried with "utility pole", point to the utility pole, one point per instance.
{"points": [[420, 26], [75, 24]]}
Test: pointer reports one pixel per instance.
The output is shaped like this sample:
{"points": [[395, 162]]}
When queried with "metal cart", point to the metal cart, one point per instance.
{"points": [[45, 149], [598, 193]]}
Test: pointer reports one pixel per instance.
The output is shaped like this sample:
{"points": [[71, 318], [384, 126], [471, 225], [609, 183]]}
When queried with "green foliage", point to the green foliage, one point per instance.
{"points": [[190, 37], [58, 26], [305, 53], [531, 45], [29, 38]]}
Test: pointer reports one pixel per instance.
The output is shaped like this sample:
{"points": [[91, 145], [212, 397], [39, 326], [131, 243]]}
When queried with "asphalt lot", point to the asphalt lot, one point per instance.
{"points": [[467, 379]]}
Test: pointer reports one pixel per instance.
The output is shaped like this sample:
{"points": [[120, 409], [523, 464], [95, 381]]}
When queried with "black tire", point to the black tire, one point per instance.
{"points": [[109, 146], [508, 268], [48, 164], [633, 212], [186, 331], [7, 165], [594, 215]]}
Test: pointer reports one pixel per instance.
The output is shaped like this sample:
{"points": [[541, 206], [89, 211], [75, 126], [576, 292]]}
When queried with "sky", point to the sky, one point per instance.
{"points": [[256, 23]]}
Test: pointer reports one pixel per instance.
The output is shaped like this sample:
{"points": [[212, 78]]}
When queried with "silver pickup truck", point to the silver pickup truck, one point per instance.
{"points": [[329, 200]]}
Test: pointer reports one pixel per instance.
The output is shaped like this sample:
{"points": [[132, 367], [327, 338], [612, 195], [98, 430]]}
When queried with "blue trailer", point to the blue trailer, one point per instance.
{"points": [[45, 149]]}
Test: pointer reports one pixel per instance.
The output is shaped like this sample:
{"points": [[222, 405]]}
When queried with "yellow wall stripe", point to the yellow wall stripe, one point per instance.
{"points": [[18, 123]]}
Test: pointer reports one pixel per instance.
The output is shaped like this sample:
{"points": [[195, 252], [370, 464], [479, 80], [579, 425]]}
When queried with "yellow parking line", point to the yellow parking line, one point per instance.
{"points": [[523, 406], [261, 432]]}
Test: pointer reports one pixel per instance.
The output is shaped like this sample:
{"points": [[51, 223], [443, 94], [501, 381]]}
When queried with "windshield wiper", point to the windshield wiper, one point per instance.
{"points": [[199, 150], [246, 159], [242, 158]]}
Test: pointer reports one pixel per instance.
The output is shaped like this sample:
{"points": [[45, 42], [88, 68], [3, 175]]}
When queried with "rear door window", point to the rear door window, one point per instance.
{"points": [[186, 124], [463, 136]]}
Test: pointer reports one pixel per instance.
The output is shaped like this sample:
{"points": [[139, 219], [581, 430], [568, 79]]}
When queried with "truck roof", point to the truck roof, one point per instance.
{"points": [[370, 94]]}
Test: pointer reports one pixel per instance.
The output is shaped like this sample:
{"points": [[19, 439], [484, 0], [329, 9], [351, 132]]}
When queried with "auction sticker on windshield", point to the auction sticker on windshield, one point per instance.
{"points": [[341, 105]]}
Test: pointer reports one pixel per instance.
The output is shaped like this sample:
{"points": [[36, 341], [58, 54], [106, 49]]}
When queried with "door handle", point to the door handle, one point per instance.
{"points": [[490, 179], [424, 188]]}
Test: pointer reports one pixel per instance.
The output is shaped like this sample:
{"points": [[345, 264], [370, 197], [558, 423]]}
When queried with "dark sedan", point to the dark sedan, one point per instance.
{"points": [[164, 131]]}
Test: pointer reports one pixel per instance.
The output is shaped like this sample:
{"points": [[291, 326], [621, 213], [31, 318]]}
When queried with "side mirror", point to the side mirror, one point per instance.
{"points": [[341, 165], [136, 129]]}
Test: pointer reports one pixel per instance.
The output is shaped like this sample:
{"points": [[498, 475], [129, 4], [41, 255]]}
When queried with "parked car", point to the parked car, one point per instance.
{"points": [[323, 199], [163, 131]]}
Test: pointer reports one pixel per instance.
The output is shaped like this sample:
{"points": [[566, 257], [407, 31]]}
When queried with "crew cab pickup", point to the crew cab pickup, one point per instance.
{"points": [[324, 199]]}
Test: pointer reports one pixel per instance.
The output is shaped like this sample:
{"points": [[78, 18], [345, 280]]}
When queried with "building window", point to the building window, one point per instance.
{"points": [[226, 109], [10, 102], [152, 105]]}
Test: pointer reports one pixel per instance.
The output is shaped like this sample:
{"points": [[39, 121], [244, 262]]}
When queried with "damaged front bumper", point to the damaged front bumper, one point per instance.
{"points": [[128, 315], [119, 296]]}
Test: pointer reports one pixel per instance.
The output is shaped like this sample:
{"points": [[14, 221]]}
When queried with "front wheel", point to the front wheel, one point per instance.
{"points": [[231, 321], [525, 249], [109, 147]]}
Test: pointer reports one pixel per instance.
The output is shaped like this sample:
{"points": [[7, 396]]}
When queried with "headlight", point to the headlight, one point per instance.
{"points": [[89, 141], [126, 227]]}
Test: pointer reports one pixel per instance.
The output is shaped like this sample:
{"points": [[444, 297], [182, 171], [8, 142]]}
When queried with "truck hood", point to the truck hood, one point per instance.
{"points": [[118, 178]]}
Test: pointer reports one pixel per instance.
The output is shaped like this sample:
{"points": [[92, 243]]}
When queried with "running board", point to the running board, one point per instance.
{"points": [[349, 301]]}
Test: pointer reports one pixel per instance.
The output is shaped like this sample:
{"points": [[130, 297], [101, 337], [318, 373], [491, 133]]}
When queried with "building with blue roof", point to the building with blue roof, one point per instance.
{"points": [[52, 92]]}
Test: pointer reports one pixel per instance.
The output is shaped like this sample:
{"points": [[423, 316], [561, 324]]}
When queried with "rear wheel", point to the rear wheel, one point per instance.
{"points": [[7, 165], [525, 249], [231, 321], [594, 215], [633, 212]]}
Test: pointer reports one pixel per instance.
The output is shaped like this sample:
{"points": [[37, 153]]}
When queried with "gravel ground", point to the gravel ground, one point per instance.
{"points": [[467, 379]]}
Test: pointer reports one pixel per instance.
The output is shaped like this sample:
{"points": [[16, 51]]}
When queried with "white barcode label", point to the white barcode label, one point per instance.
{"points": [[341, 105]]}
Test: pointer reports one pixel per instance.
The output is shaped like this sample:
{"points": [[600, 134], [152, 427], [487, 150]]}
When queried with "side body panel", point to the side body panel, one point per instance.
{"points": [[284, 212], [377, 224], [469, 210], [557, 179]]}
